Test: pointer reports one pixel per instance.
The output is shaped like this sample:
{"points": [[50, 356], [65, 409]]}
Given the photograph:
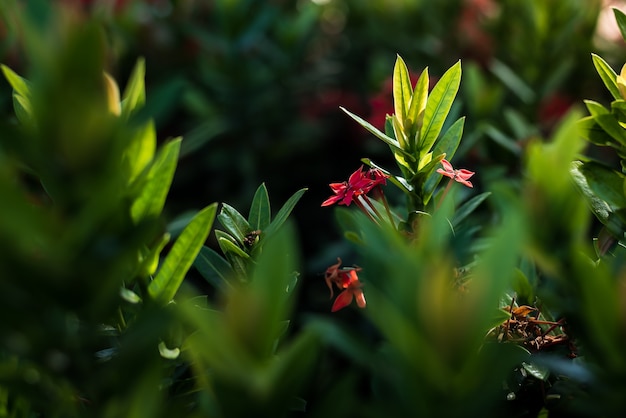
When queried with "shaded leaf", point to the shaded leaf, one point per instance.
{"points": [[260, 212], [213, 268], [620, 18], [234, 222], [468, 207], [284, 212]]}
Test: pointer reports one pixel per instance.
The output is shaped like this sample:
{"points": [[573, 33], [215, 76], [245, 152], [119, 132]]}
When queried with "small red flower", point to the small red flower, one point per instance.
{"points": [[347, 279], [359, 183], [462, 176]]}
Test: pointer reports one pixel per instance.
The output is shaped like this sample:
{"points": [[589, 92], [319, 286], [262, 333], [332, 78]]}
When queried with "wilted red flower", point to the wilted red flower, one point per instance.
{"points": [[462, 176], [346, 279], [359, 183]]}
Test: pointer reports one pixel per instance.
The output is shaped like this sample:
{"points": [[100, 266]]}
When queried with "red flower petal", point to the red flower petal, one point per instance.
{"points": [[344, 299]]}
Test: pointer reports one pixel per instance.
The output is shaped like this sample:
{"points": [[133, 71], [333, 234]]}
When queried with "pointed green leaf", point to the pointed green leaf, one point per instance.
{"points": [[234, 222], [180, 258], [23, 109], [20, 85], [595, 108], [260, 213], [468, 207], [141, 149], [438, 107], [215, 269], [378, 134], [417, 108], [512, 81], [620, 17], [401, 94], [284, 212], [155, 184], [134, 95], [229, 246], [608, 76]]}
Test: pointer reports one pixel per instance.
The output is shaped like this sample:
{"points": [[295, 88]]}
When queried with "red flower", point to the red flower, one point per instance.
{"points": [[359, 183], [462, 176], [348, 280]]}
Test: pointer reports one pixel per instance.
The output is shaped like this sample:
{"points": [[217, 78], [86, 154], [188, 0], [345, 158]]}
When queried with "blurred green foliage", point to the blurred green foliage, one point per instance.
{"points": [[516, 308]]}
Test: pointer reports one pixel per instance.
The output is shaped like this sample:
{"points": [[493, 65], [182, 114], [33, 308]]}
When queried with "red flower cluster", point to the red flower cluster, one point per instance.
{"points": [[347, 280], [359, 183]]}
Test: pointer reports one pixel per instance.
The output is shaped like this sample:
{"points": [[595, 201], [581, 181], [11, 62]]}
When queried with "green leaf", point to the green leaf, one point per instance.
{"points": [[612, 127], [417, 108], [438, 107], [591, 131], [141, 149], [378, 134], [595, 108], [539, 372], [228, 246], [23, 109], [180, 258], [468, 207], [512, 81], [400, 182], [598, 206], [401, 94], [134, 95], [155, 183], [20, 85], [215, 269], [608, 76], [446, 146], [606, 183], [234, 222], [284, 212], [260, 213], [620, 18]]}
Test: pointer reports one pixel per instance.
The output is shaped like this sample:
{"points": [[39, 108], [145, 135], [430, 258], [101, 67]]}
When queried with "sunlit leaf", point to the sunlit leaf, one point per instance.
{"points": [[181, 256], [402, 90], [607, 74], [20, 85], [439, 103], [134, 95], [378, 134], [417, 108], [156, 182], [141, 149]]}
